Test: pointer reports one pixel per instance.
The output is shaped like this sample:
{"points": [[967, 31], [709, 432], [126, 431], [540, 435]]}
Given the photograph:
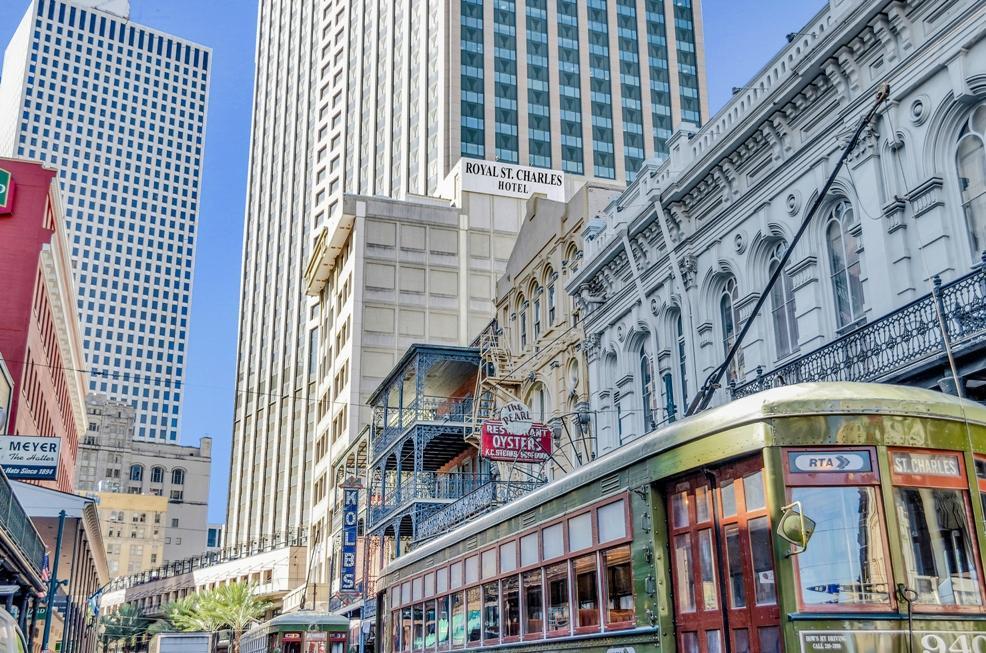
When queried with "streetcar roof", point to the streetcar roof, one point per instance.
{"points": [[803, 399], [307, 618]]}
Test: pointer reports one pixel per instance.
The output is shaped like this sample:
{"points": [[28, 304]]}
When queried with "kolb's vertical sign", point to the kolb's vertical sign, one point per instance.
{"points": [[6, 192], [350, 510]]}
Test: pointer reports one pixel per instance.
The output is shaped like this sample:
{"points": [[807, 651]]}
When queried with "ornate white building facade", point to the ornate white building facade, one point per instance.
{"points": [[675, 266]]}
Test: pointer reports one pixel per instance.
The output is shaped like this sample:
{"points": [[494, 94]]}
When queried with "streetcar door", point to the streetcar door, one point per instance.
{"points": [[732, 504]]}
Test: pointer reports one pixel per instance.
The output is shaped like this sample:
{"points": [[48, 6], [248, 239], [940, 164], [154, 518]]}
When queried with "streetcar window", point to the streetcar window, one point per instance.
{"points": [[619, 586], [510, 588], [734, 563], [612, 520], [430, 584], [770, 639], [554, 543], [395, 596], [727, 494], [443, 621], [706, 566], [491, 612], [580, 532], [529, 550], [533, 603], [713, 641], [458, 619], [703, 505], [679, 509], [685, 591], [981, 477], [396, 629], [406, 629], [762, 557], [489, 564], [586, 591], [472, 570], [753, 491], [417, 588], [508, 556], [846, 562], [441, 580], [456, 575], [430, 625], [418, 615], [473, 614], [938, 542], [689, 643], [556, 581]]}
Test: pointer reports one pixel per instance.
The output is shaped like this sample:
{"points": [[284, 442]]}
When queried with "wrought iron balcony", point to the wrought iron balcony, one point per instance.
{"points": [[423, 486], [889, 348], [391, 424], [483, 499], [20, 529]]}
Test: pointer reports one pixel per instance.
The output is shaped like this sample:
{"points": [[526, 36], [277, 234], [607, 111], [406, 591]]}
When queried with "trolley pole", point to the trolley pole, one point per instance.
{"points": [[53, 584]]}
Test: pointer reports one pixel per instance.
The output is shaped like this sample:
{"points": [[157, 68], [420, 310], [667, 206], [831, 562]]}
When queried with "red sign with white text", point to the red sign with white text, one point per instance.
{"points": [[532, 447]]}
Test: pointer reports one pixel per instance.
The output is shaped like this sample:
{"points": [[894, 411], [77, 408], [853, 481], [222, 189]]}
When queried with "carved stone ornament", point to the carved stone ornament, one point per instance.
{"points": [[654, 307], [739, 243], [619, 332], [793, 203], [689, 270], [590, 344]]}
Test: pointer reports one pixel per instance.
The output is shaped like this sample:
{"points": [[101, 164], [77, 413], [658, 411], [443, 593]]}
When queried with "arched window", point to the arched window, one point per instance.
{"points": [[157, 474], [728, 321], [782, 307], [178, 476], [647, 390], [522, 319], [538, 401], [970, 161], [683, 377], [536, 314], [843, 249], [136, 472]]}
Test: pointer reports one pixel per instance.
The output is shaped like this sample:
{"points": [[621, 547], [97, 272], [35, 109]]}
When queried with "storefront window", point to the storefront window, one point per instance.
{"points": [[556, 580], [491, 612], [619, 586], [473, 614], [533, 603], [510, 587], [938, 542], [458, 619], [845, 563], [586, 592], [443, 621]]}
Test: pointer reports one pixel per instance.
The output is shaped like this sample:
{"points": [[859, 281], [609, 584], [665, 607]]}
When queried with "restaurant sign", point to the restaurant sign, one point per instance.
{"points": [[6, 192], [33, 458], [350, 510], [500, 443]]}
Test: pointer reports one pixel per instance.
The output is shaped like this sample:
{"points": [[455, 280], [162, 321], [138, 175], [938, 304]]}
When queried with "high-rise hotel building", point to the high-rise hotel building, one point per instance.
{"points": [[382, 98], [120, 110]]}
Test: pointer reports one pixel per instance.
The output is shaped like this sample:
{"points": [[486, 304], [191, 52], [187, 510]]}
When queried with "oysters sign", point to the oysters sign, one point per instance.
{"points": [[30, 457], [515, 437]]}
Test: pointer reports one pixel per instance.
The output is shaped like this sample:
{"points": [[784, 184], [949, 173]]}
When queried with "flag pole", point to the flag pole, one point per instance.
{"points": [[53, 584]]}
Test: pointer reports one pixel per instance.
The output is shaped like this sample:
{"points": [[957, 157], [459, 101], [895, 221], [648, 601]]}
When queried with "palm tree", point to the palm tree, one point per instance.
{"points": [[236, 606], [193, 614], [126, 626]]}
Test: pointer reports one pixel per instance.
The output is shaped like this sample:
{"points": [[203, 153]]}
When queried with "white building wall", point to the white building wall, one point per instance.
{"points": [[708, 219]]}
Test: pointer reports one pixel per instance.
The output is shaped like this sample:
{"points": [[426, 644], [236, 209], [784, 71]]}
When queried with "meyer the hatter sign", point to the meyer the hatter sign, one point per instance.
{"points": [[30, 458], [6, 192]]}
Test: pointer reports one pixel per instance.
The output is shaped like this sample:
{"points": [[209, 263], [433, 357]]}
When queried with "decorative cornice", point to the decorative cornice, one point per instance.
{"points": [[926, 196]]}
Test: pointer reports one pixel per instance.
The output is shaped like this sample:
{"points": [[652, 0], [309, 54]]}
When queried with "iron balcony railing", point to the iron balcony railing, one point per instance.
{"points": [[423, 486], [893, 344], [389, 425], [19, 526], [483, 499], [280, 540]]}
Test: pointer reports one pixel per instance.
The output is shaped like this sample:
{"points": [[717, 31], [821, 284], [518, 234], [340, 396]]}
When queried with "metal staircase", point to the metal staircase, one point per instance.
{"points": [[495, 384]]}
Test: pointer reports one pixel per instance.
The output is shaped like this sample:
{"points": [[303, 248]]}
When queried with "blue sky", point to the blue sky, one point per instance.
{"points": [[740, 36]]}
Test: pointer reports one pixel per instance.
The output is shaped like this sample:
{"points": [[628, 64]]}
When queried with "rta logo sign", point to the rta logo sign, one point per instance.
{"points": [[6, 192]]}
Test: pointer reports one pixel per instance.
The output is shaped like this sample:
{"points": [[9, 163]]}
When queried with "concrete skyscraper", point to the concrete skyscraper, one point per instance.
{"points": [[384, 97], [120, 110]]}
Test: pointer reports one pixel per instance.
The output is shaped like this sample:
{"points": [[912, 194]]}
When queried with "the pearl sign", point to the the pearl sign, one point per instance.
{"points": [[532, 446]]}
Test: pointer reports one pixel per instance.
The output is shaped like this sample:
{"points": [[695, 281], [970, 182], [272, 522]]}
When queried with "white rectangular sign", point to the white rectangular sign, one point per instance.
{"points": [[28, 457], [495, 178]]}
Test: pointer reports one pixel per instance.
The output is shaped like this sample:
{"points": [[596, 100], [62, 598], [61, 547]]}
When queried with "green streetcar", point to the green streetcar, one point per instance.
{"points": [[816, 517], [298, 632]]}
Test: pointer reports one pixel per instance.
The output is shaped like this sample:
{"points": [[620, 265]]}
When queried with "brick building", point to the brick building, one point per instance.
{"points": [[39, 328]]}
